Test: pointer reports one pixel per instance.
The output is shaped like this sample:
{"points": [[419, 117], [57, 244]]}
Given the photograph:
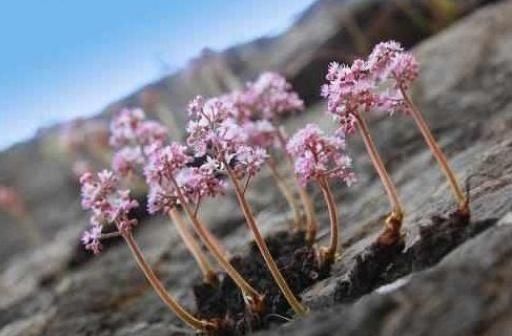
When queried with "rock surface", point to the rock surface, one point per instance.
{"points": [[465, 92]]}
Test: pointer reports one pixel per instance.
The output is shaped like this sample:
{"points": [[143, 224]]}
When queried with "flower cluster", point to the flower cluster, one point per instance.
{"points": [[108, 204], [134, 137], [272, 96], [257, 107], [199, 182], [375, 83], [213, 131], [318, 156], [167, 170]]}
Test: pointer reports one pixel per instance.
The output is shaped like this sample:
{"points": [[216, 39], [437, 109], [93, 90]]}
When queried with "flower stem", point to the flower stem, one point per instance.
{"points": [[209, 275], [288, 195], [330, 252], [307, 203], [252, 295], [393, 222], [438, 153], [172, 304], [295, 304]]}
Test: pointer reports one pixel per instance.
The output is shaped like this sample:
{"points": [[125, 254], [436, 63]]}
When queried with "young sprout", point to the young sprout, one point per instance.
{"points": [[350, 93], [12, 203], [136, 138], [395, 70], [109, 204], [213, 132], [320, 158], [172, 182], [269, 99]]}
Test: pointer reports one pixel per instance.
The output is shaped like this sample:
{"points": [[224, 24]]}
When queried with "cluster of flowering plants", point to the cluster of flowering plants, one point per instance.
{"points": [[258, 109], [237, 135], [380, 83], [320, 158]]}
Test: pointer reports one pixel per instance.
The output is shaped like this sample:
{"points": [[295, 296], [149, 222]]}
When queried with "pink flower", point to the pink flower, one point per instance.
{"points": [[247, 160], [165, 162], [150, 133], [373, 84], [349, 89], [272, 96], [241, 104], [318, 156], [127, 161], [108, 204], [197, 183], [160, 200], [404, 70], [124, 126], [216, 133], [381, 58], [129, 128], [195, 106], [215, 130], [91, 239], [260, 133]]}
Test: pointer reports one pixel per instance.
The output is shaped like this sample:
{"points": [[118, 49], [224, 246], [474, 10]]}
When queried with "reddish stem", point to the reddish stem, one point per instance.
{"points": [[172, 304], [296, 305], [438, 153], [307, 203], [329, 252], [194, 248], [393, 222], [288, 195]]}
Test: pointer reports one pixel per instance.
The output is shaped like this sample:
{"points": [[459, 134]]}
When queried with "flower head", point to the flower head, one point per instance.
{"points": [[165, 162], [247, 160], [373, 84], [318, 156], [382, 57], [127, 160], [199, 182], [124, 126], [218, 135], [404, 70], [161, 198], [108, 204], [349, 90], [260, 133], [130, 128], [272, 96], [91, 239]]}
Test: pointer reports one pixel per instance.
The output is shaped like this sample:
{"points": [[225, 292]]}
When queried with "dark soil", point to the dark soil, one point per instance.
{"points": [[297, 262], [379, 265]]}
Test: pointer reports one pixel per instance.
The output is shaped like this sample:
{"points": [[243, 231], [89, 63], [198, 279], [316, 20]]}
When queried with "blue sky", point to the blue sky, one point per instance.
{"points": [[62, 59]]}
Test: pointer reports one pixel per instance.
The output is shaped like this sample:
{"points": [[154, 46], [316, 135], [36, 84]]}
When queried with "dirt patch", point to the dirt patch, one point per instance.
{"points": [[377, 266], [297, 262]]}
